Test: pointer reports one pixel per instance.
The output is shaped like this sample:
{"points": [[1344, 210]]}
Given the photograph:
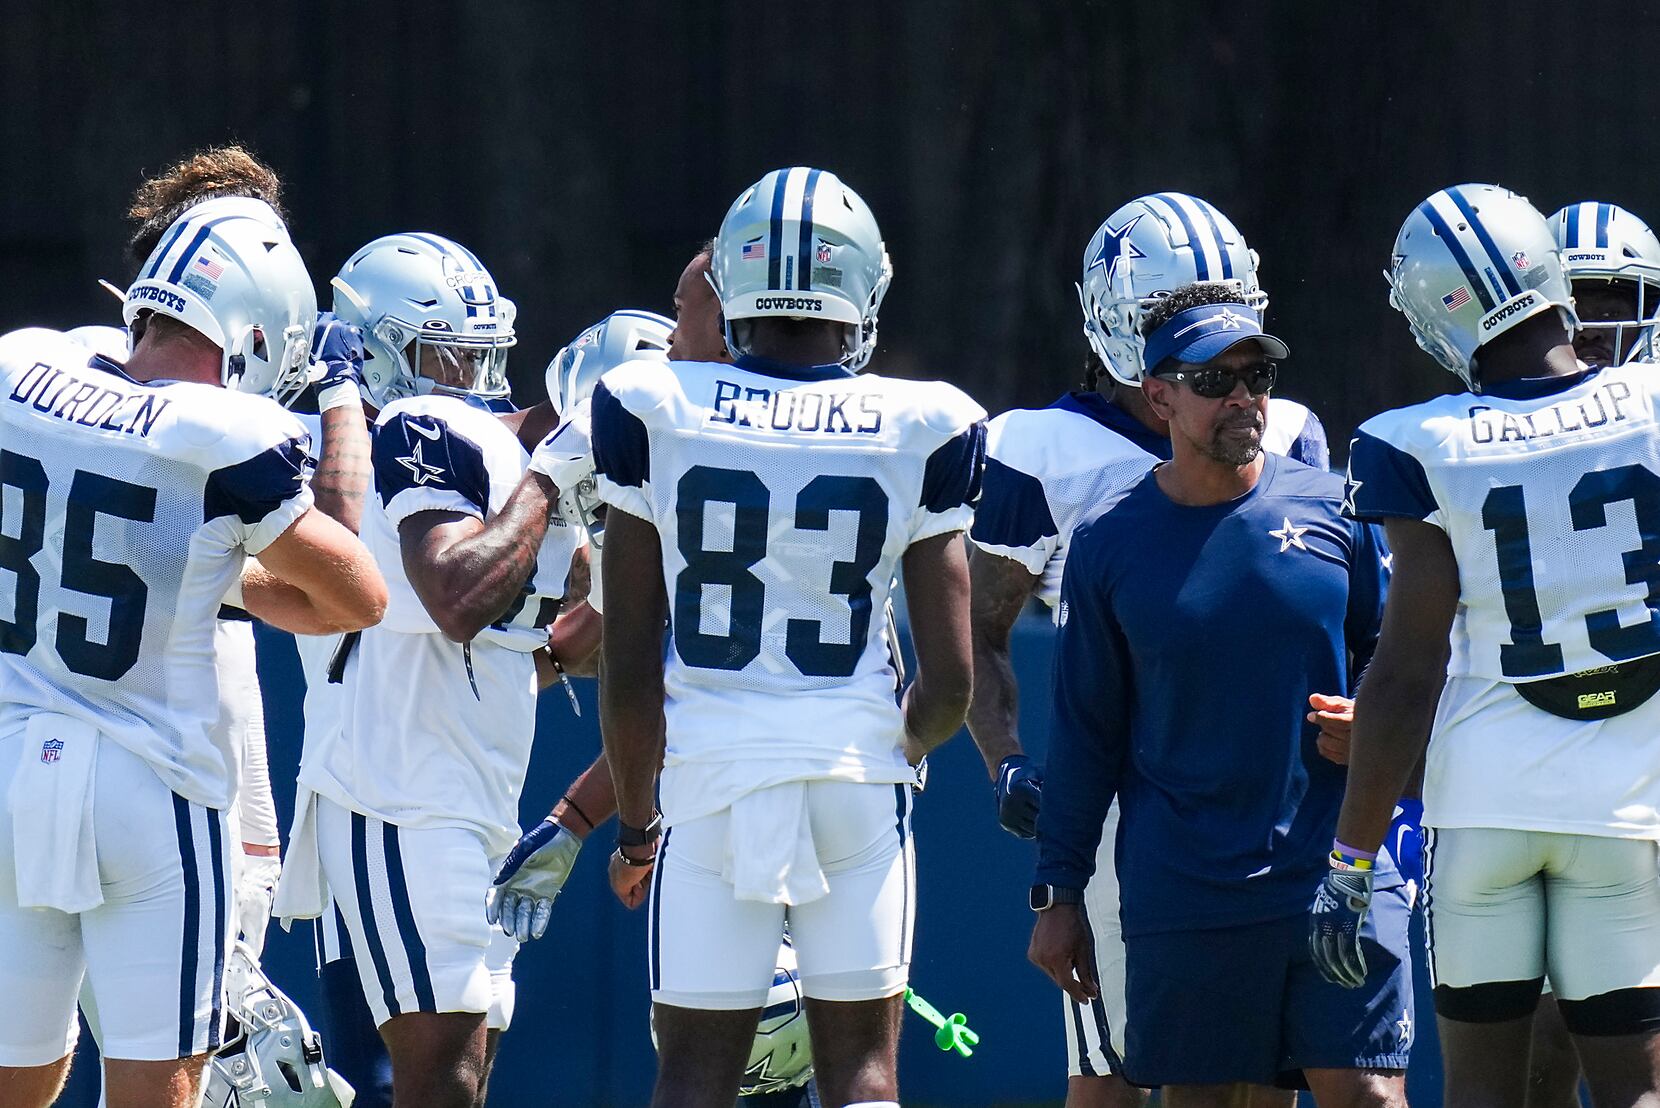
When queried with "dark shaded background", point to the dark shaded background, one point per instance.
{"points": [[583, 149]]}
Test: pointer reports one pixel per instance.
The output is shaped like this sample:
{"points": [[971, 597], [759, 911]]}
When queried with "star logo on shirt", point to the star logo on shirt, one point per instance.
{"points": [[1387, 561], [1403, 1029], [419, 468], [1290, 535], [1350, 488]]}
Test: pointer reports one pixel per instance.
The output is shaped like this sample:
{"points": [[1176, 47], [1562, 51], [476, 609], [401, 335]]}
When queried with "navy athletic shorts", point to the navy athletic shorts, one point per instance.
{"points": [[1247, 1003]]}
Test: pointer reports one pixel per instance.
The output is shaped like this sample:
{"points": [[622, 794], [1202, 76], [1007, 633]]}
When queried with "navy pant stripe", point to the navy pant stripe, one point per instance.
{"points": [[656, 950], [221, 924], [366, 912], [414, 948], [191, 931], [1084, 1066]]}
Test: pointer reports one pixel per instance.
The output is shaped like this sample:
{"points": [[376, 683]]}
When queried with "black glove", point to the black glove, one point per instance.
{"points": [[1019, 790]]}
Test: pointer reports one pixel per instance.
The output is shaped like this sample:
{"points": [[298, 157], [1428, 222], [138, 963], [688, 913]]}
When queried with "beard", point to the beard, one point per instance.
{"points": [[1236, 441]]}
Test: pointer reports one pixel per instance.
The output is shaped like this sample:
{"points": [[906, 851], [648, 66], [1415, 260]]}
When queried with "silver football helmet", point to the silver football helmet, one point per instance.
{"points": [[800, 244], [782, 1055], [1604, 242], [228, 270], [271, 1057], [1144, 250], [620, 337], [431, 318], [1470, 263]]}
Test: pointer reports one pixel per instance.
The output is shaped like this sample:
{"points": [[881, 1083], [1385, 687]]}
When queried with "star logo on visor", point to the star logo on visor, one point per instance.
{"points": [[1116, 249], [419, 468], [1229, 320], [1290, 536]]}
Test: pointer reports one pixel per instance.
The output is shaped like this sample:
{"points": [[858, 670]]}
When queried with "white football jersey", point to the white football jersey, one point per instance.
{"points": [[1050, 469], [126, 510], [437, 734], [784, 500], [1549, 492]]}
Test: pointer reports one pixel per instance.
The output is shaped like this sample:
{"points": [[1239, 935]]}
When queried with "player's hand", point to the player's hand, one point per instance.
{"points": [[1019, 790], [631, 883], [1063, 948], [1406, 841], [520, 899], [336, 350], [1340, 907], [256, 886], [1336, 717]]}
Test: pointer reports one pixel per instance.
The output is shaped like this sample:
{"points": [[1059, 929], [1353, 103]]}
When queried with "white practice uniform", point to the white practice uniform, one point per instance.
{"points": [[414, 801], [1543, 850], [784, 500], [126, 510], [1047, 471]]}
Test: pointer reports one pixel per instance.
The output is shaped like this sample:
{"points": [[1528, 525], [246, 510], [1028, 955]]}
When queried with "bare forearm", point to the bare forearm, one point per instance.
{"points": [[999, 589], [574, 640], [994, 711], [344, 470], [933, 713], [479, 577], [589, 802], [631, 718], [1393, 716]]}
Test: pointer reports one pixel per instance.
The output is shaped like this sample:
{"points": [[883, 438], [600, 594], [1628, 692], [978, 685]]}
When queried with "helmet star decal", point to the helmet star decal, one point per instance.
{"points": [[1116, 249]]}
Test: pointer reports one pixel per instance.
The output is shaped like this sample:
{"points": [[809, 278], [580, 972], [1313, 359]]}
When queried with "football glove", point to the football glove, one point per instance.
{"points": [[520, 900], [1019, 790], [256, 885], [1340, 907], [337, 350]]}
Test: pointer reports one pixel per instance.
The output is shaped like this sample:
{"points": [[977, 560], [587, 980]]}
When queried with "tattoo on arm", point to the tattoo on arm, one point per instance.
{"points": [[344, 471], [999, 590]]}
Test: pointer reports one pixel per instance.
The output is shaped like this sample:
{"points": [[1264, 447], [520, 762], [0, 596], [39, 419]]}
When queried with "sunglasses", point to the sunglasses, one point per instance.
{"points": [[1214, 383]]}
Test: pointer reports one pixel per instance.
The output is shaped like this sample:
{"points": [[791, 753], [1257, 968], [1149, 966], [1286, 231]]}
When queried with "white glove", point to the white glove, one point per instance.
{"points": [[521, 898], [256, 886]]}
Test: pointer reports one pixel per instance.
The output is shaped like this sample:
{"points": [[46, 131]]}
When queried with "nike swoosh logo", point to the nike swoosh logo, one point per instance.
{"points": [[433, 434]]}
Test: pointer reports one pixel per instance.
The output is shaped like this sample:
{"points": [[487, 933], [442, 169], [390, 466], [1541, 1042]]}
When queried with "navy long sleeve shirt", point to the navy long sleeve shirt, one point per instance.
{"points": [[1190, 639]]}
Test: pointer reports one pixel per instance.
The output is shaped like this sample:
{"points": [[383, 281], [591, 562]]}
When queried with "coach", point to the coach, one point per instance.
{"points": [[1198, 616]]}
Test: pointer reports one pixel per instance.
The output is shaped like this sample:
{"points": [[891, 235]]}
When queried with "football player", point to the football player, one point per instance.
{"points": [[1613, 265], [1517, 513], [411, 802], [773, 500], [139, 489], [1046, 471]]}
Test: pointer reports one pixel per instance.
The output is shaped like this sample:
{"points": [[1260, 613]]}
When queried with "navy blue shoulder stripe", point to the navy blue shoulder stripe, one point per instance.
{"points": [[1477, 285], [1500, 263]]}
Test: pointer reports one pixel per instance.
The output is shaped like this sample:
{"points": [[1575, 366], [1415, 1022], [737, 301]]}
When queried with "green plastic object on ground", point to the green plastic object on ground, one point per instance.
{"points": [[950, 1032]]}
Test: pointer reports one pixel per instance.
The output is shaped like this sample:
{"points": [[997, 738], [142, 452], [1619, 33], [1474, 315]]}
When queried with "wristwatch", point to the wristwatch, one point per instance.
{"points": [[1044, 897], [640, 836]]}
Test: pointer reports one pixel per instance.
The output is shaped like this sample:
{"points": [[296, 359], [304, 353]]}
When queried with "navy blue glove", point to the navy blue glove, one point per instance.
{"points": [[520, 899], [1340, 907], [336, 350], [1406, 840], [1019, 791]]}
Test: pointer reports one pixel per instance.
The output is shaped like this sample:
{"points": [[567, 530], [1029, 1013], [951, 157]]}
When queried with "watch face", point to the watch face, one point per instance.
{"points": [[1041, 897]]}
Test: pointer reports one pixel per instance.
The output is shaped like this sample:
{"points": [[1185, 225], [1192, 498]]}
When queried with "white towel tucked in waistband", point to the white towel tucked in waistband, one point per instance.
{"points": [[301, 890], [51, 806], [770, 854]]}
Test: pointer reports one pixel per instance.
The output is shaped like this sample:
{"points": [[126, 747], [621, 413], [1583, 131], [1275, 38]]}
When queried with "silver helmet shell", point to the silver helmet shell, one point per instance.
{"points": [[422, 300], [799, 244], [620, 337], [1471, 262], [1605, 242], [1146, 249], [228, 270]]}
